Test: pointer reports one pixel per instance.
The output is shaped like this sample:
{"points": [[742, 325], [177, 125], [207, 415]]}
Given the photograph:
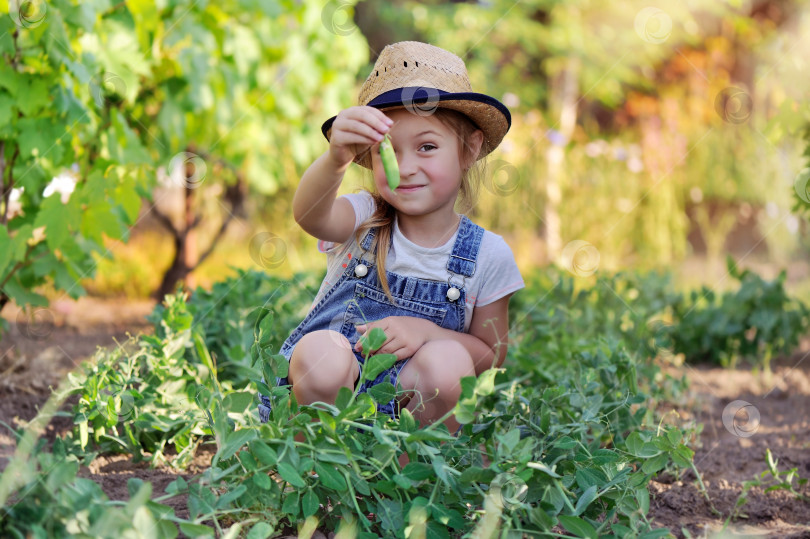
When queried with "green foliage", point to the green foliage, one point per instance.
{"points": [[755, 322], [566, 435], [54, 122], [109, 93], [229, 80], [801, 185], [140, 401], [228, 315], [57, 503]]}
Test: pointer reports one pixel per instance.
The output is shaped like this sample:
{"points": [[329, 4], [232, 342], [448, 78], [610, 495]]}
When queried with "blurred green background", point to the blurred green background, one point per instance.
{"points": [[644, 136]]}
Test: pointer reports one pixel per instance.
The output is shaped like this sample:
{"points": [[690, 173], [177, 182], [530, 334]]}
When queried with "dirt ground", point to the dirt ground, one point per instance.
{"points": [[37, 352], [734, 451]]}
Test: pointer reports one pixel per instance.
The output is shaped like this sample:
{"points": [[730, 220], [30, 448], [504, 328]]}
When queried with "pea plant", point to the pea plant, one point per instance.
{"points": [[755, 322], [779, 480], [565, 437]]}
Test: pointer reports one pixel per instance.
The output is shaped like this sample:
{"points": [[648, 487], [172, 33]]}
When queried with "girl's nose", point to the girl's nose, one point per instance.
{"points": [[407, 164]]}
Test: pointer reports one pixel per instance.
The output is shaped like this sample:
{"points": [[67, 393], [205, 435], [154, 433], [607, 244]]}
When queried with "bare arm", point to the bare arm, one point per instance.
{"points": [[315, 207], [488, 337]]}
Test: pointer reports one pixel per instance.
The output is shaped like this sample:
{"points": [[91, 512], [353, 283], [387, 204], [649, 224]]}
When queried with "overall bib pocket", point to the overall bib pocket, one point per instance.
{"points": [[371, 304]]}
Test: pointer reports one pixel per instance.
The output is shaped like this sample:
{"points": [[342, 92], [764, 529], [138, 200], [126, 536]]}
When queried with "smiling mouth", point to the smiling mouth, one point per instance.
{"points": [[409, 187]]}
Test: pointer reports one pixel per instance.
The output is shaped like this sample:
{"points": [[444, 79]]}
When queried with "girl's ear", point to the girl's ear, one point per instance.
{"points": [[474, 146]]}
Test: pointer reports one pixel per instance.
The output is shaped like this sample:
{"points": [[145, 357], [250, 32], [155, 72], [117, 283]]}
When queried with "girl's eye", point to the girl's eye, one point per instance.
{"points": [[427, 144]]}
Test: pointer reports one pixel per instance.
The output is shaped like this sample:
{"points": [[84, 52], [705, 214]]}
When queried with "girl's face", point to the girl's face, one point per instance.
{"points": [[429, 168]]}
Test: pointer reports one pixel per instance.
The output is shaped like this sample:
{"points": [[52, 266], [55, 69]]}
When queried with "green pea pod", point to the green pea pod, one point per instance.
{"points": [[389, 161]]}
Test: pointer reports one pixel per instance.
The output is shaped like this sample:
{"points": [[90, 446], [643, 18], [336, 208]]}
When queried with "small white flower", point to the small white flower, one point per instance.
{"points": [[16, 193], [64, 184], [14, 205]]}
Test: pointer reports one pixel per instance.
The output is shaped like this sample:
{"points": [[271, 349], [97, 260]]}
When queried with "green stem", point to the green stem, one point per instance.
{"points": [[704, 491], [354, 499], [368, 427], [565, 496], [433, 494]]}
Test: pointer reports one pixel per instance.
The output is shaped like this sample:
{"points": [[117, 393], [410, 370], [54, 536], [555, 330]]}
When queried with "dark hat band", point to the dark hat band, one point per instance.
{"points": [[423, 98]]}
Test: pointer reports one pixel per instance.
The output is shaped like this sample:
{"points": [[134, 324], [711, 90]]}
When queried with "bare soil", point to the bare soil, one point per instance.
{"points": [[727, 456], [37, 352]]}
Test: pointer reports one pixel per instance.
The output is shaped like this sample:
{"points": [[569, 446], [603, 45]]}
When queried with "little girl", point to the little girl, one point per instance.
{"points": [[437, 284]]}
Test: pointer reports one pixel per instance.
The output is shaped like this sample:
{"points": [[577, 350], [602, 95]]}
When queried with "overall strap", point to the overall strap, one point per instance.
{"points": [[465, 250], [366, 243]]}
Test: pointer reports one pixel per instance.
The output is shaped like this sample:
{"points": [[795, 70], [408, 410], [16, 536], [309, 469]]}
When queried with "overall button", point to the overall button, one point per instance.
{"points": [[453, 294], [361, 270]]}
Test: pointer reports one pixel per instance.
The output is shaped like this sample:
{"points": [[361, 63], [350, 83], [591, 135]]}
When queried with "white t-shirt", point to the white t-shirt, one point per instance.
{"points": [[496, 273]]}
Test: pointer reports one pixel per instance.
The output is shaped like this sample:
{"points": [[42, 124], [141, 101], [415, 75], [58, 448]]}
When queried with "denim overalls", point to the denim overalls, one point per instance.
{"points": [[357, 299]]}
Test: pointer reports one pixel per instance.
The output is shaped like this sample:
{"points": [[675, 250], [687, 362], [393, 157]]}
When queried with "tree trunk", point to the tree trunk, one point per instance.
{"points": [[177, 270], [186, 251], [190, 254], [563, 100]]}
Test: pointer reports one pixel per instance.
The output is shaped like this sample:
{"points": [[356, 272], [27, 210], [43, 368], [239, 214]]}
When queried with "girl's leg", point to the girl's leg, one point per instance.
{"points": [[432, 381], [322, 362]]}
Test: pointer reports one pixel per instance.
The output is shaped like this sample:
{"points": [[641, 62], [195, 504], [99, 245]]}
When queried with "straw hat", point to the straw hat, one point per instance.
{"points": [[420, 78]]}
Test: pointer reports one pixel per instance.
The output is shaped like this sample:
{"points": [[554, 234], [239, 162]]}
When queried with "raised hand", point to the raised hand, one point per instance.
{"points": [[354, 131]]}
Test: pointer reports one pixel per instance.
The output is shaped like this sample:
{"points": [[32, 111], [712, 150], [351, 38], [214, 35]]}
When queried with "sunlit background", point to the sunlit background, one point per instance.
{"points": [[643, 136]]}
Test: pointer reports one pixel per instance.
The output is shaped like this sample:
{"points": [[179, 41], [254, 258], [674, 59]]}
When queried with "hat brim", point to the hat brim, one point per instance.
{"points": [[488, 114]]}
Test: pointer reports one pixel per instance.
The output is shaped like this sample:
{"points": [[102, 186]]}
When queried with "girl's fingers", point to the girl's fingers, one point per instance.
{"points": [[348, 140], [402, 353], [371, 117], [357, 134], [381, 117], [375, 131], [390, 344]]}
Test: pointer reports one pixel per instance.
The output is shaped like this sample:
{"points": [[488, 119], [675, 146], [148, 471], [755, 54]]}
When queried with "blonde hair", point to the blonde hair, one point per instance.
{"points": [[383, 216]]}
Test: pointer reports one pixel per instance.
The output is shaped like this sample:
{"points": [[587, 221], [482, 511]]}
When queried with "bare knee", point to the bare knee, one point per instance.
{"points": [[448, 355], [438, 364], [323, 357]]}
